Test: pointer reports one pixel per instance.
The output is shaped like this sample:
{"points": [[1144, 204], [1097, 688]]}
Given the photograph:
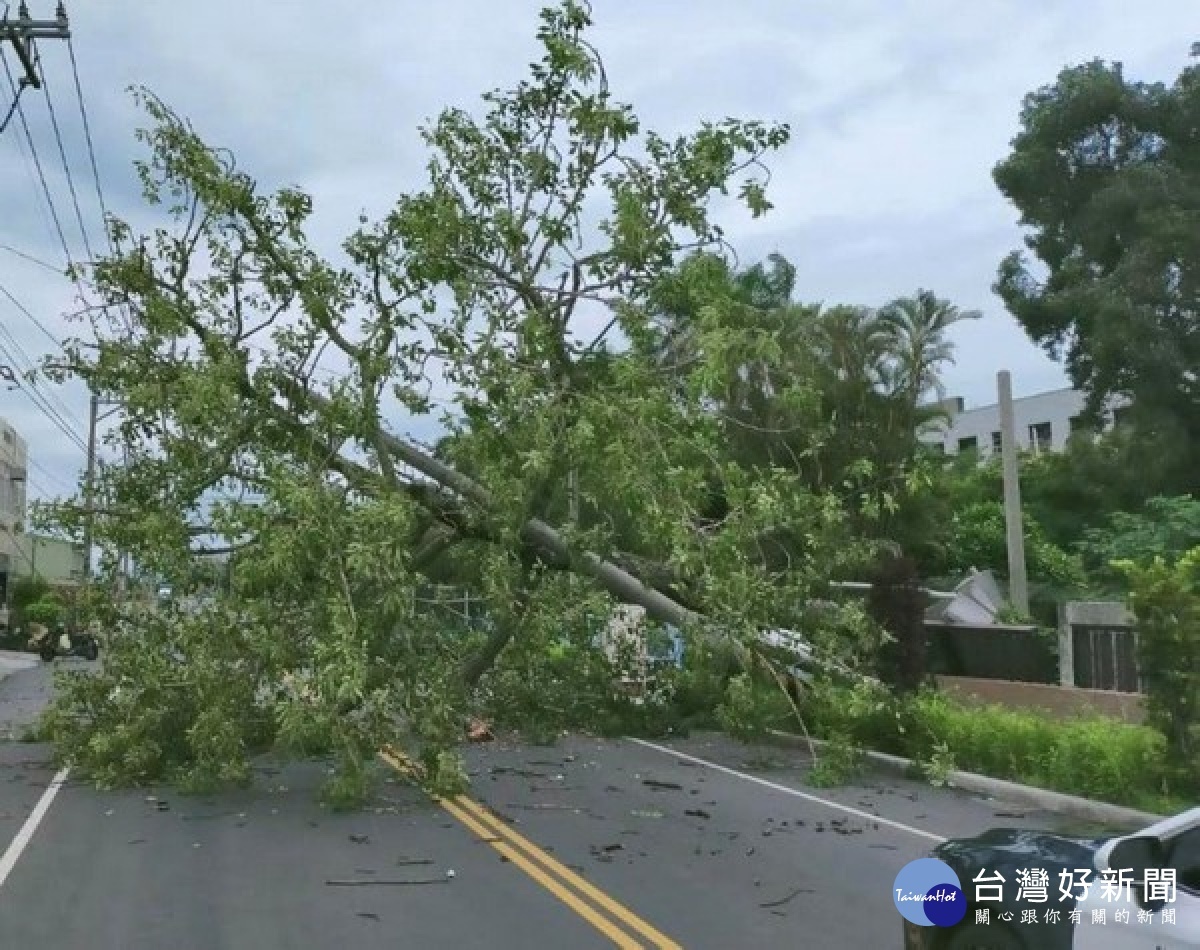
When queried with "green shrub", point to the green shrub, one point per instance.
{"points": [[1165, 599], [1096, 757], [753, 708], [28, 590], [43, 611], [840, 761]]}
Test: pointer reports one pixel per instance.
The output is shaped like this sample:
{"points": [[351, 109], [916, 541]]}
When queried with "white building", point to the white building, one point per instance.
{"points": [[1043, 423], [12, 502]]}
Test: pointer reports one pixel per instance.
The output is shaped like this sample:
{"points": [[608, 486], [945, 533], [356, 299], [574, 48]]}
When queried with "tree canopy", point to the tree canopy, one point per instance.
{"points": [[1105, 172], [511, 302]]}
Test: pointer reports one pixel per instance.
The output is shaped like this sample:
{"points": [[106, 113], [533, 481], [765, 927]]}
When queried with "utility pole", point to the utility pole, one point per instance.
{"points": [[89, 489], [21, 33], [89, 485], [23, 30], [1013, 523]]}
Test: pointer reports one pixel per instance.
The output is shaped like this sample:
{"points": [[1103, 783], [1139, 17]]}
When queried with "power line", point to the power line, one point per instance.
{"points": [[38, 164], [56, 480], [28, 366], [39, 402], [87, 134], [12, 109], [29, 257], [29, 316], [63, 154]]}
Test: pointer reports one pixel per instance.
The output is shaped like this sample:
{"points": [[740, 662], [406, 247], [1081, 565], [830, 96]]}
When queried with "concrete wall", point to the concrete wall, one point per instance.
{"points": [[58, 562], [1061, 701]]}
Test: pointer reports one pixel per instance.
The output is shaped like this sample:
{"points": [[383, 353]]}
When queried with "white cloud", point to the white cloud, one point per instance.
{"points": [[899, 110]]}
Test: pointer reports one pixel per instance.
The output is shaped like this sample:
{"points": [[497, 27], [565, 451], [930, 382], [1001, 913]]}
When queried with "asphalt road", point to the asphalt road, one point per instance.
{"points": [[705, 843]]}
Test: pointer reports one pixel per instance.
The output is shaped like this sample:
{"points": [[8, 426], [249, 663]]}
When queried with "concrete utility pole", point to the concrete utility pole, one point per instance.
{"points": [[23, 30], [1013, 524], [89, 489], [89, 483]]}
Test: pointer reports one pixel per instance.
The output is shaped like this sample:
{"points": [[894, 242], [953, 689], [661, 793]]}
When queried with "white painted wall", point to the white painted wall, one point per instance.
{"points": [[1055, 408]]}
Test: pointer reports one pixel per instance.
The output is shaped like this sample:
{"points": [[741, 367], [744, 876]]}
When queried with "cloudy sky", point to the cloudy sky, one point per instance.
{"points": [[899, 110]]}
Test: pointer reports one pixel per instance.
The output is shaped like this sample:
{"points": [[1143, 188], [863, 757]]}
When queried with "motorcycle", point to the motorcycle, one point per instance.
{"points": [[62, 642]]}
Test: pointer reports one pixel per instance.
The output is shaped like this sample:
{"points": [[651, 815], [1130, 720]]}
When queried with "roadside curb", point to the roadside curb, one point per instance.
{"points": [[1012, 792]]}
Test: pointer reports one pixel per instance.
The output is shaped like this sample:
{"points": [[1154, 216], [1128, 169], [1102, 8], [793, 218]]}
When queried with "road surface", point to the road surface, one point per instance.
{"points": [[699, 843]]}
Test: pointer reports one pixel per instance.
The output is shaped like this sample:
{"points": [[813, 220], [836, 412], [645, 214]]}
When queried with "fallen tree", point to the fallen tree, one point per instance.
{"points": [[261, 385]]}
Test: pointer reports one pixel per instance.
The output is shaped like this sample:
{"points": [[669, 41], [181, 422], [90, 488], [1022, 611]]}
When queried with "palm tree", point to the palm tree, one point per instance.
{"points": [[918, 327]]}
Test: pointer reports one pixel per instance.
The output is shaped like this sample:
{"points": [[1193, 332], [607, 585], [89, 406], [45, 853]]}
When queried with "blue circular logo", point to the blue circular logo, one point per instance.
{"points": [[928, 893]]}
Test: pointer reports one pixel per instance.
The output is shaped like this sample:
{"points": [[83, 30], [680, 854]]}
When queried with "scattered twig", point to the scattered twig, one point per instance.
{"points": [[791, 896], [385, 883]]}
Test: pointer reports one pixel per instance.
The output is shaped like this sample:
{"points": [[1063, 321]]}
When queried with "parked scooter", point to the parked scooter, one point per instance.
{"points": [[61, 642]]}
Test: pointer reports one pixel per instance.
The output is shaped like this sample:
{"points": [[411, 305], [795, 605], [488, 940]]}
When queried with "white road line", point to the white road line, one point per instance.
{"points": [[21, 841], [795, 793]]}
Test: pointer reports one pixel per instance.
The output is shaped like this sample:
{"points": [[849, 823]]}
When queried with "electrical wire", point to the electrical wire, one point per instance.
{"points": [[91, 148], [87, 134], [26, 365], [30, 317], [54, 481], [12, 110], [38, 398], [62, 151], [62, 237], [29, 257]]}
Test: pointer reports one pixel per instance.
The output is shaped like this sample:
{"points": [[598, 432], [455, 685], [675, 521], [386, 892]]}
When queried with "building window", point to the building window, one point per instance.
{"points": [[997, 443], [1040, 436], [968, 444]]}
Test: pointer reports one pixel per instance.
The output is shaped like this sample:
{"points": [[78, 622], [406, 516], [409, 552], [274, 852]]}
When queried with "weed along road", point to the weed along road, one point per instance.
{"points": [[701, 842]]}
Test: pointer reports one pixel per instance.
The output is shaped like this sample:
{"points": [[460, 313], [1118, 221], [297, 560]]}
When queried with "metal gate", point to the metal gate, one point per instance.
{"points": [[1105, 658]]}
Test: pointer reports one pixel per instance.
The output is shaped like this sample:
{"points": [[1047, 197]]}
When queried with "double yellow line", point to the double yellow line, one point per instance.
{"points": [[583, 897]]}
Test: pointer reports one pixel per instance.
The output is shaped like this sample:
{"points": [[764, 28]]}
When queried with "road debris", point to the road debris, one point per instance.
{"points": [[697, 813], [792, 895], [479, 731], [404, 862], [359, 839], [523, 773], [655, 783], [355, 882], [367, 914]]}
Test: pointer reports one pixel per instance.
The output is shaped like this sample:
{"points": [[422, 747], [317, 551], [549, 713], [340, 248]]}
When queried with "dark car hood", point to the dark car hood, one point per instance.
{"points": [[1002, 847]]}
